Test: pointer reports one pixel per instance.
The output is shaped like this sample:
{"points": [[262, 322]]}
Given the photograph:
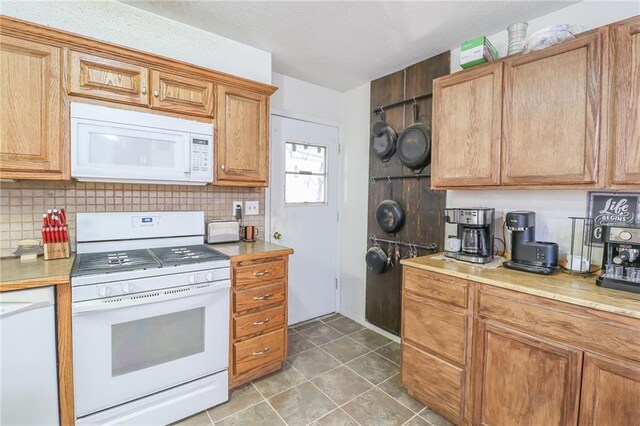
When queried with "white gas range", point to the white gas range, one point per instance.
{"points": [[150, 307]]}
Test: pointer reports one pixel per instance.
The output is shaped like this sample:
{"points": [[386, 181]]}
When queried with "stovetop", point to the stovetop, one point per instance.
{"points": [[141, 259]]}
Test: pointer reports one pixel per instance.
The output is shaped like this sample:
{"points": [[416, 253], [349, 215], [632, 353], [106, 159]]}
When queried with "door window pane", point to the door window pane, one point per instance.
{"points": [[305, 173], [151, 341]]}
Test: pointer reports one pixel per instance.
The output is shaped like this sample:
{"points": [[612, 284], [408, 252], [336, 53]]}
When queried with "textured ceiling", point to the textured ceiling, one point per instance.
{"points": [[342, 45]]}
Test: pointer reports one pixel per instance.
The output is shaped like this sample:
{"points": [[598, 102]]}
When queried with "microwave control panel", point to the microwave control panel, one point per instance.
{"points": [[201, 158]]}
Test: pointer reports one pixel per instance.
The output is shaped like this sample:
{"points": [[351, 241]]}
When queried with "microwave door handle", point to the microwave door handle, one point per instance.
{"points": [[186, 168]]}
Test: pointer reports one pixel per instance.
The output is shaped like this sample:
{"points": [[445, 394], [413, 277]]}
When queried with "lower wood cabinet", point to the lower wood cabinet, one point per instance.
{"points": [[499, 357], [610, 391], [258, 326], [523, 380]]}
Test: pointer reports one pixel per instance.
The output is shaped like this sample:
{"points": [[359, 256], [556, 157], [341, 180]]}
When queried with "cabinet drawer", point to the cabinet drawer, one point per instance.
{"points": [[433, 381], [436, 286], [258, 351], [436, 329], [258, 322], [259, 297], [109, 79], [259, 273], [578, 327]]}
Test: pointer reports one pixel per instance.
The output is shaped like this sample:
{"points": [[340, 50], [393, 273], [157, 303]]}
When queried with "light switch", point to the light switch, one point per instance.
{"points": [[251, 208]]}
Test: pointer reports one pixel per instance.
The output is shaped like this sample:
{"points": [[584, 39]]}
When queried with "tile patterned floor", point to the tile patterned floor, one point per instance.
{"points": [[338, 373]]}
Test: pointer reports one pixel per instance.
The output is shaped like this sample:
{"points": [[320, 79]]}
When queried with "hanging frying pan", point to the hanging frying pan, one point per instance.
{"points": [[389, 213], [414, 144], [376, 260], [383, 139]]}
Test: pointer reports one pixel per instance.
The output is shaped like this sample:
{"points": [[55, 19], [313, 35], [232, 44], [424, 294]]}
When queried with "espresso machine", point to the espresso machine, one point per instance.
{"points": [[527, 254], [474, 240], [620, 259]]}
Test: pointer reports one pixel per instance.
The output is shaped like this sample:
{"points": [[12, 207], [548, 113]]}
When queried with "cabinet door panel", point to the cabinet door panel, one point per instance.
{"points": [[110, 79], [610, 392], [551, 114], [525, 381], [466, 128], [32, 115], [625, 122], [181, 94], [242, 139]]}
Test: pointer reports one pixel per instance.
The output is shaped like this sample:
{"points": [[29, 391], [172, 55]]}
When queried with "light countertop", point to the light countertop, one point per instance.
{"points": [[16, 274], [241, 250], [573, 289]]}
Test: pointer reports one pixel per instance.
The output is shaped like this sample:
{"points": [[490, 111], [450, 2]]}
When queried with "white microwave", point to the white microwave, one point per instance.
{"points": [[118, 145]]}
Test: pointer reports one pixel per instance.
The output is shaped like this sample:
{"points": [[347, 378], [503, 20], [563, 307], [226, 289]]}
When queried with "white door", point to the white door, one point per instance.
{"points": [[304, 215]]}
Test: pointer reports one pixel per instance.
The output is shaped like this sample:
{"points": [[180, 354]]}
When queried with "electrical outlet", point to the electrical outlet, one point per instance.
{"points": [[236, 204], [251, 208]]}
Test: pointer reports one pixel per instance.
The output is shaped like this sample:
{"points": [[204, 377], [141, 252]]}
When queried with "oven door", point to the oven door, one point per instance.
{"points": [[129, 347]]}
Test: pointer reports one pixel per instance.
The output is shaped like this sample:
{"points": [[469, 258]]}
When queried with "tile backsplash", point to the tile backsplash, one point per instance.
{"points": [[22, 204]]}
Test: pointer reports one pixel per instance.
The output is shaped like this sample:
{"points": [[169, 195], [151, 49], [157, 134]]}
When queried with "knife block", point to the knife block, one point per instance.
{"points": [[56, 251]]}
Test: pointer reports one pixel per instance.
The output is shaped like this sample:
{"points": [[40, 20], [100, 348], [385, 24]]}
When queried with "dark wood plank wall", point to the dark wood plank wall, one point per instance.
{"points": [[423, 207]]}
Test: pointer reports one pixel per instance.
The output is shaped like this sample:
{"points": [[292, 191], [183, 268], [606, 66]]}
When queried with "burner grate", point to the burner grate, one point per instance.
{"points": [[105, 262], [186, 254]]}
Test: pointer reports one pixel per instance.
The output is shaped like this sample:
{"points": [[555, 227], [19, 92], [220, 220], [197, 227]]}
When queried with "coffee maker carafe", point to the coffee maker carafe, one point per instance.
{"points": [[475, 230], [621, 258]]}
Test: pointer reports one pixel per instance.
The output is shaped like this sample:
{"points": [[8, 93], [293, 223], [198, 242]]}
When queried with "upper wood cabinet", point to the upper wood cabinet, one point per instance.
{"points": [[33, 111], [624, 143], [103, 78], [242, 144], [466, 128], [551, 113], [186, 95]]}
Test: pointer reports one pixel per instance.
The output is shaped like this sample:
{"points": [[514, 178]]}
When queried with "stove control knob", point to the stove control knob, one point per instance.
{"points": [[127, 287], [625, 235], [104, 291], [209, 276], [192, 279]]}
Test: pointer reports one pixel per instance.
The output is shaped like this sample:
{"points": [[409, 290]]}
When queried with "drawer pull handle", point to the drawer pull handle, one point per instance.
{"points": [[261, 274], [263, 297], [261, 352], [262, 322]]}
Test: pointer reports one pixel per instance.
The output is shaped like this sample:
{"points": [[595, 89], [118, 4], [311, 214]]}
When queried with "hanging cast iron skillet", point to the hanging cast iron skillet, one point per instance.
{"points": [[389, 214], [376, 260], [383, 139], [414, 144]]}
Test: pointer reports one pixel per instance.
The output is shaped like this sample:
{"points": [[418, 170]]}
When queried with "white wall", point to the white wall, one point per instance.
{"points": [[552, 208], [354, 109], [122, 24], [308, 99]]}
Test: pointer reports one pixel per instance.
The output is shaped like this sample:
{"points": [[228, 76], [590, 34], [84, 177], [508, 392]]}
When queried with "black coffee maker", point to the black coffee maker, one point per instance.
{"points": [[621, 258], [527, 254]]}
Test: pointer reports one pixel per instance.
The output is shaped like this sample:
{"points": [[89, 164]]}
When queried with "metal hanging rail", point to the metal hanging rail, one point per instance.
{"points": [[431, 247], [375, 179], [380, 109]]}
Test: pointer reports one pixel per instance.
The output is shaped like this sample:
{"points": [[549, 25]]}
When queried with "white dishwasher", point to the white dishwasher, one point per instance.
{"points": [[28, 364]]}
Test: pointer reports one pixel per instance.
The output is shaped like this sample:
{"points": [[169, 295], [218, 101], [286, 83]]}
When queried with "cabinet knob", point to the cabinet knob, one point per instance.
{"points": [[144, 90], [222, 167], [277, 235], [156, 93]]}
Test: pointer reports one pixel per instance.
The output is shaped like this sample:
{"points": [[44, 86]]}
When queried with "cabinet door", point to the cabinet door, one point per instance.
{"points": [[610, 392], [179, 94], [466, 128], [33, 112], [624, 167], [242, 157], [522, 380], [551, 132], [102, 78]]}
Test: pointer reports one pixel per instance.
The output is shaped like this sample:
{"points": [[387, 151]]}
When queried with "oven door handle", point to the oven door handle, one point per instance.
{"points": [[148, 297]]}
